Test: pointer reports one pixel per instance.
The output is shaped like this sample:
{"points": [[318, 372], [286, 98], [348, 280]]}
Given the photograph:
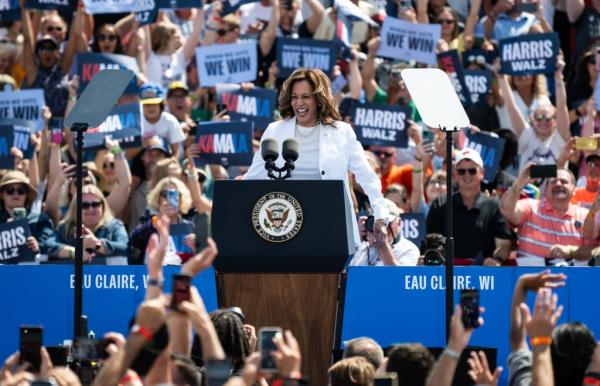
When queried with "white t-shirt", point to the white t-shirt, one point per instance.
{"points": [[405, 253], [307, 164], [164, 69], [526, 111], [252, 12], [167, 127], [532, 148]]}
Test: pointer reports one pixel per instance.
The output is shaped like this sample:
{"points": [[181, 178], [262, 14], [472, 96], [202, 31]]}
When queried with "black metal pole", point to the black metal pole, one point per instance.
{"points": [[79, 129], [449, 236]]}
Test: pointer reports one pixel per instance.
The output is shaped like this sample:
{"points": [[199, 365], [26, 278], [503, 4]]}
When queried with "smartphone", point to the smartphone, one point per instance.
{"points": [[56, 136], [586, 143], [428, 136], [526, 7], [180, 289], [266, 346], [597, 60], [19, 214], [469, 303], [218, 372], [58, 355], [173, 197], [386, 379], [29, 346], [542, 171], [88, 349]]}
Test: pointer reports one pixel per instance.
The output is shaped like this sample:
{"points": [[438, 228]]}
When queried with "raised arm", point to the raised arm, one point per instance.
{"points": [[590, 229], [118, 197], [201, 203], [28, 56], [516, 117], [368, 70], [562, 112], [267, 38], [508, 204], [472, 20], [355, 79], [189, 47], [574, 10], [314, 20], [74, 37], [422, 16]]}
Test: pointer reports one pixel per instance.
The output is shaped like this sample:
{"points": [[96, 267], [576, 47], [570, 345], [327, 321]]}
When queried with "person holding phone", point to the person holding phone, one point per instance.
{"points": [[328, 146], [104, 237], [17, 193]]}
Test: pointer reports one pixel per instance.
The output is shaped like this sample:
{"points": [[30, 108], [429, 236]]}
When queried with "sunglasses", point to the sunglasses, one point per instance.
{"points": [[462, 172], [110, 38], [223, 32], [546, 118], [446, 21], [88, 205], [165, 193], [108, 165], [383, 154], [52, 28], [10, 190], [47, 50], [435, 182]]}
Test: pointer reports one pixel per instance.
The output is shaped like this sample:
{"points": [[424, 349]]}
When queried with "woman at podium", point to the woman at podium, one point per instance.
{"points": [[328, 148]]}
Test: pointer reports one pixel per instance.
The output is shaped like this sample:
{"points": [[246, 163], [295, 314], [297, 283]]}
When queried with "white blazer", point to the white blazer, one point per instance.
{"points": [[339, 153]]}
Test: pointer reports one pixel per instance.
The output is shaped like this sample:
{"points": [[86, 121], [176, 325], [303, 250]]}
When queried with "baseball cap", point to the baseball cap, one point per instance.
{"points": [[7, 83], [177, 85], [151, 94], [469, 154], [46, 41], [158, 143], [393, 210]]}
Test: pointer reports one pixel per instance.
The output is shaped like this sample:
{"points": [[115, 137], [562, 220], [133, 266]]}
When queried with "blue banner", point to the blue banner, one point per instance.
{"points": [[13, 248], [226, 143], [529, 54], [43, 295], [450, 62], [257, 105], [90, 63], [295, 53], [479, 84], [414, 227], [490, 148], [10, 10], [230, 6], [146, 11], [122, 124], [404, 40], [379, 124], [24, 104], [227, 63], [22, 130], [109, 6], [58, 5], [410, 303], [179, 4]]}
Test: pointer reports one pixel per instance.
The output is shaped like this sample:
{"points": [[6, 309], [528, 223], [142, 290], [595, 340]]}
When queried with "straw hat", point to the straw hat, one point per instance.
{"points": [[17, 177]]}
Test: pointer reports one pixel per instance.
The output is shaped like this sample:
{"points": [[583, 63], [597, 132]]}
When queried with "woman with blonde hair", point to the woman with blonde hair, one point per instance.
{"points": [[529, 92], [104, 237], [328, 148]]}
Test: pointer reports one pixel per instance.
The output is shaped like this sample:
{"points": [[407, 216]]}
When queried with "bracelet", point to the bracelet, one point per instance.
{"points": [[116, 150], [591, 381], [541, 340], [137, 329], [71, 253], [417, 171], [129, 378], [451, 353], [154, 282], [418, 159]]}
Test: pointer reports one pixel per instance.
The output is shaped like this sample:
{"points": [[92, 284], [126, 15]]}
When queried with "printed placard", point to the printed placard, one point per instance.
{"points": [[109, 6], [230, 6], [179, 4], [59, 5], [295, 53], [479, 84], [414, 227], [146, 11], [529, 54], [379, 124], [257, 105], [178, 233], [409, 41], [10, 10], [450, 62], [227, 63], [490, 148], [226, 143], [13, 243], [24, 104], [123, 124], [90, 63]]}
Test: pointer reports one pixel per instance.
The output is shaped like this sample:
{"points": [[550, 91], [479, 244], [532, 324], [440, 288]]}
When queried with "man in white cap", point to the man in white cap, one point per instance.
{"points": [[480, 232]]}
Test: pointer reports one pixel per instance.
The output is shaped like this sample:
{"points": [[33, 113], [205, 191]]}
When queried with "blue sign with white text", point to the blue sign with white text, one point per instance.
{"points": [[295, 53], [90, 63], [10, 10], [490, 148], [479, 84], [226, 143], [379, 124], [529, 54], [414, 227], [450, 62], [257, 105], [59, 5], [146, 11], [122, 124], [178, 4]]}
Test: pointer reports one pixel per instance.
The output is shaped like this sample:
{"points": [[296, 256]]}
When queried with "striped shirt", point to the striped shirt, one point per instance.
{"points": [[542, 227]]}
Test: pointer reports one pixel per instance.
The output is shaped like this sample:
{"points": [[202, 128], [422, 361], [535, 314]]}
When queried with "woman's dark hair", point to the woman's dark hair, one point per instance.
{"points": [[581, 75], [230, 330], [96, 48], [572, 347]]}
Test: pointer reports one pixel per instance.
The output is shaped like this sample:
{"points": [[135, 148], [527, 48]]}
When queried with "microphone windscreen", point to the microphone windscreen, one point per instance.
{"points": [[289, 149], [269, 149]]}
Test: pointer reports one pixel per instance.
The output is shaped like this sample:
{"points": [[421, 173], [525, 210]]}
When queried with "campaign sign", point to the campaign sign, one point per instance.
{"points": [[13, 243], [227, 63], [123, 124], [479, 84], [21, 130], [338, 84], [257, 105], [10, 10], [109, 6], [24, 104], [413, 227], [178, 233], [450, 62], [404, 40], [490, 148], [7, 138], [529, 54], [146, 11], [295, 53], [59, 5], [226, 143], [379, 124], [597, 93], [230, 6], [178, 4], [90, 63]]}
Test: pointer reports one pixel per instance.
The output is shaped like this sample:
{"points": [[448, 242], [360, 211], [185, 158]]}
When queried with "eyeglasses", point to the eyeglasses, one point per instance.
{"points": [[107, 165], [446, 21], [88, 205], [384, 154], [462, 172], [11, 190], [52, 28], [546, 118], [110, 38]]}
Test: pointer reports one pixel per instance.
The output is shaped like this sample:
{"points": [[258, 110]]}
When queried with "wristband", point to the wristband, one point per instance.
{"points": [[129, 378], [592, 374], [417, 171], [137, 329], [116, 150], [451, 353], [155, 283], [72, 98], [591, 381], [541, 340], [71, 253]]}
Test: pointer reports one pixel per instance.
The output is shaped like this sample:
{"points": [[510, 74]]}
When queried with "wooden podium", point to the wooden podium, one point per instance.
{"points": [[278, 280]]}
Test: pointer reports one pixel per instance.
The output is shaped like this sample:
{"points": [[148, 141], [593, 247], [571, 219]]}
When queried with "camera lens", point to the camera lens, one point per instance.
{"points": [[369, 223]]}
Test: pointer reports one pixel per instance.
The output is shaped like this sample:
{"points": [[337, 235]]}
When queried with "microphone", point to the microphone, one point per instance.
{"points": [[269, 152], [289, 152]]}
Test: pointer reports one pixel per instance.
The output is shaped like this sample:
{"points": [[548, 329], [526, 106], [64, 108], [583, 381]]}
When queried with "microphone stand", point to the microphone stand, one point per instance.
{"points": [[287, 168]]}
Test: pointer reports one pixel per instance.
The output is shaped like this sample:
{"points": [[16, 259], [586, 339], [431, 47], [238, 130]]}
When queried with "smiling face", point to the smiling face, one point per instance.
{"points": [[560, 189], [447, 21], [92, 210], [107, 39], [544, 121], [468, 175], [304, 103]]}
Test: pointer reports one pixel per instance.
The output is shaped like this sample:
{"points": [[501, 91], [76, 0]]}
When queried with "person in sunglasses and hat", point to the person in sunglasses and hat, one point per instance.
{"points": [[16, 193]]}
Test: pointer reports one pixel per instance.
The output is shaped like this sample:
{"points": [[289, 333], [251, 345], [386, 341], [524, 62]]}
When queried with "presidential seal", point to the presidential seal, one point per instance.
{"points": [[277, 217]]}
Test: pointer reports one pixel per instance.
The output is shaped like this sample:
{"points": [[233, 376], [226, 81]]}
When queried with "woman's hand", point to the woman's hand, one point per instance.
{"points": [[33, 244], [89, 239]]}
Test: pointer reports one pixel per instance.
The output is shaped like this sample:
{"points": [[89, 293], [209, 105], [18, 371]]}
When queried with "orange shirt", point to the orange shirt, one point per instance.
{"points": [[398, 174], [583, 197]]}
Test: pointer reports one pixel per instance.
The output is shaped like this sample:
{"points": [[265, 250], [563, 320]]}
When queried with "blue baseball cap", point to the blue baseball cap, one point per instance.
{"points": [[151, 94]]}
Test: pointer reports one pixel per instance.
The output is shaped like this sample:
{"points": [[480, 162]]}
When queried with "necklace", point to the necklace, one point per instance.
{"points": [[304, 133]]}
